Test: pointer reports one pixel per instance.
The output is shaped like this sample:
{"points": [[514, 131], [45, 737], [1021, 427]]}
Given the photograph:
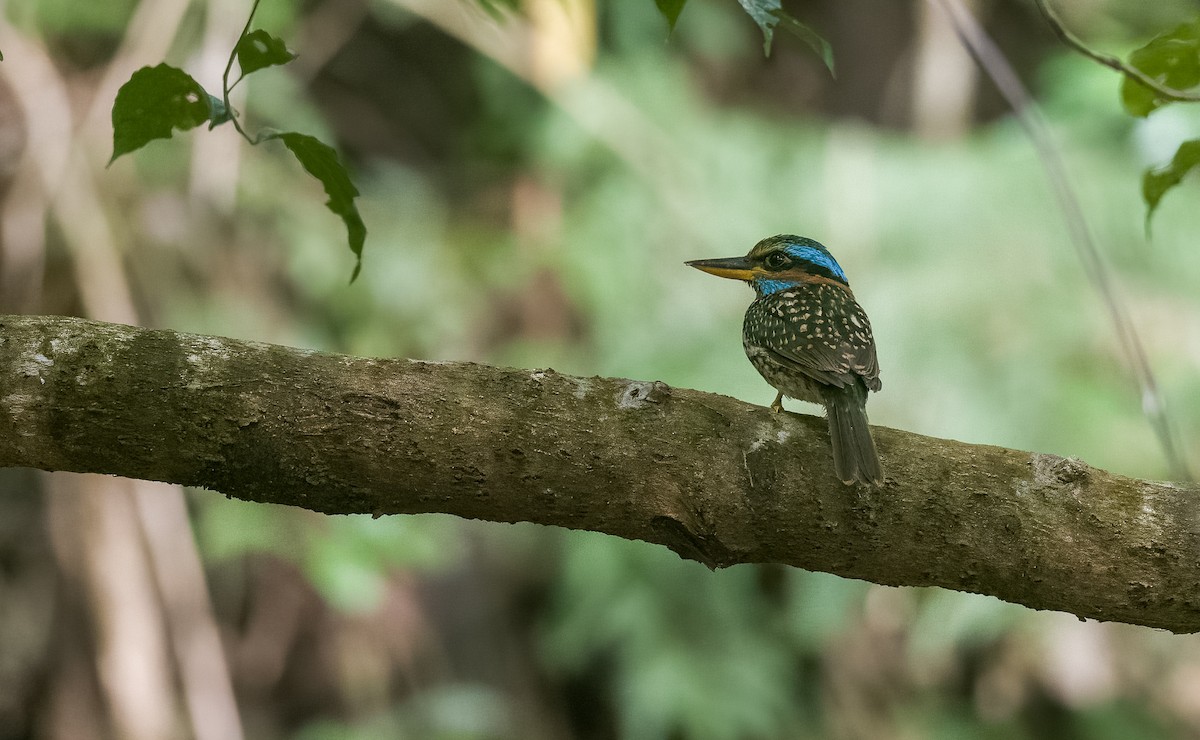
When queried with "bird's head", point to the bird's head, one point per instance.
{"points": [[777, 263]]}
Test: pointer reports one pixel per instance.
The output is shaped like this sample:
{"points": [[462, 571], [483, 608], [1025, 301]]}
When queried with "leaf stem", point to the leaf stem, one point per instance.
{"points": [[226, 87]]}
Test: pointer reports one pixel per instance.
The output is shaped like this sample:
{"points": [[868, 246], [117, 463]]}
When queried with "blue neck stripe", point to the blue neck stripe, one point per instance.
{"points": [[764, 286]]}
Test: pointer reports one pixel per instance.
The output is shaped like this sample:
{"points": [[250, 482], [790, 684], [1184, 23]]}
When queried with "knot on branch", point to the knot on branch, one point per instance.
{"points": [[688, 541], [1055, 470], [639, 393]]}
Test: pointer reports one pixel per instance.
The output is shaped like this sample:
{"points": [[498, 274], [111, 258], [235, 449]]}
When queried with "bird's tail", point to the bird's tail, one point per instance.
{"points": [[854, 456]]}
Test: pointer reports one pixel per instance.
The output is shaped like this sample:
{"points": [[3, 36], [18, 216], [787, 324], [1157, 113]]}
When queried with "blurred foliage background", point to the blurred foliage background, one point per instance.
{"points": [[532, 182]]}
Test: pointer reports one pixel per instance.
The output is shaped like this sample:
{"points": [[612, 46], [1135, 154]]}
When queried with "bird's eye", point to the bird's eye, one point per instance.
{"points": [[776, 260]]}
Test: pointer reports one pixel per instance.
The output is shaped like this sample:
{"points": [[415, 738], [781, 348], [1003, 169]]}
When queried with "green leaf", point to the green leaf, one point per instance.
{"points": [[259, 49], [152, 104], [1172, 59], [764, 13], [670, 10], [770, 13], [321, 161], [1156, 183], [814, 40]]}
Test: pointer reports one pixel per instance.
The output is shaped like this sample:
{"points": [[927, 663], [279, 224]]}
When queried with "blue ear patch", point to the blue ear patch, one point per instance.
{"points": [[818, 257]]}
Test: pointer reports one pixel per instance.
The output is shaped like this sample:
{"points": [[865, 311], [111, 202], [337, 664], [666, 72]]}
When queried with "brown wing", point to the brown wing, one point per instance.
{"points": [[819, 329]]}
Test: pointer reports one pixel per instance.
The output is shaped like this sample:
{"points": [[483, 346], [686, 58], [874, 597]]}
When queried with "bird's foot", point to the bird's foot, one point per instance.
{"points": [[777, 404]]}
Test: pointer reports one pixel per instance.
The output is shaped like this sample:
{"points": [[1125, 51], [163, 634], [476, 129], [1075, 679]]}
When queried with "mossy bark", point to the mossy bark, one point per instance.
{"points": [[712, 478]]}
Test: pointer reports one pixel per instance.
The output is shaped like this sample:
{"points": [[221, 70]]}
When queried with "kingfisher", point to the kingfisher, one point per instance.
{"points": [[808, 337]]}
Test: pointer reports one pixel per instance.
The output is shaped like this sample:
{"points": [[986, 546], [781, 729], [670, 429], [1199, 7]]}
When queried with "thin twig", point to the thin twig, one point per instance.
{"points": [[996, 66], [226, 87], [1133, 73]]}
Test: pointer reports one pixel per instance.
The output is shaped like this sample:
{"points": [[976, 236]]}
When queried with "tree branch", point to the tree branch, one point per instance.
{"points": [[712, 478]]}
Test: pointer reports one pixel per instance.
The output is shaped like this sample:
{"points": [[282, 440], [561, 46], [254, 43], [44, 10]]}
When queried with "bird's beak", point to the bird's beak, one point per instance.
{"points": [[735, 268]]}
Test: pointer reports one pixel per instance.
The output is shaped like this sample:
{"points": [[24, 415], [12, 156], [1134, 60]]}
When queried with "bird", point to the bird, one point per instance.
{"points": [[807, 336]]}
